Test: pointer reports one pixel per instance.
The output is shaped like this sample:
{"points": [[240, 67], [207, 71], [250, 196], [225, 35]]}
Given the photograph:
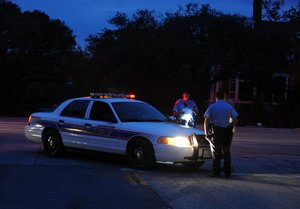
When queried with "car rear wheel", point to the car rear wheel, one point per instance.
{"points": [[141, 154], [53, 144]]}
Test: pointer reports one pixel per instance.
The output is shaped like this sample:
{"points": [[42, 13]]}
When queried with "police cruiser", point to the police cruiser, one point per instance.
{"points": [[116, 123]]}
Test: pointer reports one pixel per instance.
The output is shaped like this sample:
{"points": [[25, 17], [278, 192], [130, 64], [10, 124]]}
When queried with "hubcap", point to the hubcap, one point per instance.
{"points": [[139, 153], [51, 142]]}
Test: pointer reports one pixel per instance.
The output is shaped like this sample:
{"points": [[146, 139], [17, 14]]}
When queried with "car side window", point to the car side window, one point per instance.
{"points": [[101, 111], [76, 109]]}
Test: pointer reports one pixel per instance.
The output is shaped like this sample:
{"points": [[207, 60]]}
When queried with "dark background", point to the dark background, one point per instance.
{"points": [[157, 58]]}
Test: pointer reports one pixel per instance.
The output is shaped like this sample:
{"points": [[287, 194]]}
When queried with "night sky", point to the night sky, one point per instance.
{"points": [[86, 17]]}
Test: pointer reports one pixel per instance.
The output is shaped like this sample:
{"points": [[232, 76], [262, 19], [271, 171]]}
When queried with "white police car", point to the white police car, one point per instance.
{"points": [[118, 125]]}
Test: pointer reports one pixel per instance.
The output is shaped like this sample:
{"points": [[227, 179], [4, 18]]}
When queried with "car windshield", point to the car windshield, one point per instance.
{"points": [[137, 112]]}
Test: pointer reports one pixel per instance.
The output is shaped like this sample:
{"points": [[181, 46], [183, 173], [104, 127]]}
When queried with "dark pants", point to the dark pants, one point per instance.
{"points": [[220, 147]]}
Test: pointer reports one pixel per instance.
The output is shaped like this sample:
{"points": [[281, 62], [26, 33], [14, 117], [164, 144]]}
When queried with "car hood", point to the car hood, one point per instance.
{"points": [[160, 128]]}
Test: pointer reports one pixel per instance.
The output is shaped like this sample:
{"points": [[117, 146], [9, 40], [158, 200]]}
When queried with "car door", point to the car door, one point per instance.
{"points": [[72, 123], [103, 128]]}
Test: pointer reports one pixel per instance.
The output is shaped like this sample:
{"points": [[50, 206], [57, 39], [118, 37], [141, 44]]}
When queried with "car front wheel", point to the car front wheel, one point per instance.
{"points": [[53, 144], [141, 154]]}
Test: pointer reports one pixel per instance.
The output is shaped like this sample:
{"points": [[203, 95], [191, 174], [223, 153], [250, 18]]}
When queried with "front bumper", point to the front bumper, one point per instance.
{"points": [[194, 153], [202, 151]]}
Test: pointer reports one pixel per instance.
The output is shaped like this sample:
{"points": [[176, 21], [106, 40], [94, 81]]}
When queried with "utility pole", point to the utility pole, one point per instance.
{"points": [[257, 12]]}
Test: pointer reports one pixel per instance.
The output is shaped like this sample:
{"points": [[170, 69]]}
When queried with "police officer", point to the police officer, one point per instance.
{"points": [[217, 115], [184, 105], [229, 101]]}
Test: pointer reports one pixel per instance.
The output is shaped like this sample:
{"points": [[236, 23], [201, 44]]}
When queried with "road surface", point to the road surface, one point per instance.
{"points": [[266, 175]]}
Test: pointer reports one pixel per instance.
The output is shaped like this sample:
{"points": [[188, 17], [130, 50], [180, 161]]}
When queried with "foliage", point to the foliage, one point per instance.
{"points": [[164, 56], [273, 11], [35, 52], [156, 55]]}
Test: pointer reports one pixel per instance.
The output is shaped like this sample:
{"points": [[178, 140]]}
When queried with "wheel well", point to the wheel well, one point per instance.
{"points": [[49, 129], [137, 138]]}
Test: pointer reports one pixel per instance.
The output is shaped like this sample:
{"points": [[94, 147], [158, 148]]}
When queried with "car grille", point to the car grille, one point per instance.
{"points": [[201, 140]]}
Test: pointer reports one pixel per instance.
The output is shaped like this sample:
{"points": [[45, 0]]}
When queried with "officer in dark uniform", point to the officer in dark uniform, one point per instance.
{"points": [[217, 117]]}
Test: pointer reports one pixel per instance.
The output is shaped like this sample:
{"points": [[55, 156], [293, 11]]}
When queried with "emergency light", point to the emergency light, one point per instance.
{"points": [[112, 95]]}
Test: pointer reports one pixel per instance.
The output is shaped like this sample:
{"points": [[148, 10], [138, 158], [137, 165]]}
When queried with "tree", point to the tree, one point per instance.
{"points": [[273, 11], [34, 51], [166, 55]]}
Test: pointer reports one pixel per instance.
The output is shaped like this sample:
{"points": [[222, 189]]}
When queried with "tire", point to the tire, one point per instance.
{"points": [[53, 144], [141, 154], [194, 165]]}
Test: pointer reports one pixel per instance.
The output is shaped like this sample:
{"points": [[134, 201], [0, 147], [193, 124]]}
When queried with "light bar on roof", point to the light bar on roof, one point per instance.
{"points": [[111, 95]]}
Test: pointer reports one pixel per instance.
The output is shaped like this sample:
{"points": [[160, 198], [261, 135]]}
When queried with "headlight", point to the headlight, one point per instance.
{"points": [[187, 117], [178, 141]]}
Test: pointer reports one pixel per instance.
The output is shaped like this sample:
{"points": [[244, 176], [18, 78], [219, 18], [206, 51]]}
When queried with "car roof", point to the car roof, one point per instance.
{"points": [[106, 100]]}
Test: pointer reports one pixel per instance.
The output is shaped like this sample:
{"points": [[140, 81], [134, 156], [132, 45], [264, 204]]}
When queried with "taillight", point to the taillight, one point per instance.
{"points": [[29, 120]]}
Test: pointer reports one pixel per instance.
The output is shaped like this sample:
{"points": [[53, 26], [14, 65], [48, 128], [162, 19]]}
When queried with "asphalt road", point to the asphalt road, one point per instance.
{"points": [[266, 175]]}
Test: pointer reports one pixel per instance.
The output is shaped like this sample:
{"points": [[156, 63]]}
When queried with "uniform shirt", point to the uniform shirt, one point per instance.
{"points": [[182, 106], [220, 112]]}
